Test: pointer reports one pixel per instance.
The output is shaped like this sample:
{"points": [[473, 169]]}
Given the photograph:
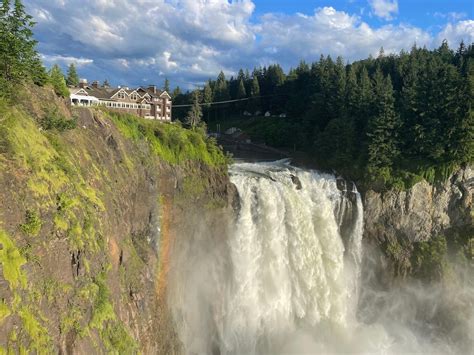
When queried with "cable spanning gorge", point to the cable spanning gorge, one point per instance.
{"points": [[287, 278]]}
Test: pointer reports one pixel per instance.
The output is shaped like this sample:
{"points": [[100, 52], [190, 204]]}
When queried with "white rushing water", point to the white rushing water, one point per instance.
{"points": [[286, 278]]}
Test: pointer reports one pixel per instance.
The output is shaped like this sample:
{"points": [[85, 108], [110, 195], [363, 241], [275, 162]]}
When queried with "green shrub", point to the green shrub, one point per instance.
{"points": [[32, 225], [429, 259], [55, 120]]}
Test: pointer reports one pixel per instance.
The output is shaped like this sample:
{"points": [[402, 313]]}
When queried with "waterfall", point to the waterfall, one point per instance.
{"points": [[285, 279], [289, 256]]}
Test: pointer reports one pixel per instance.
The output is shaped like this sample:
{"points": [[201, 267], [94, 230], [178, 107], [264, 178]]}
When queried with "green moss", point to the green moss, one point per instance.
{"points": [[103, 310], [113, 334], [90, 195], [117, 340], [73, 320], [24, 144], [11, 261], [60, 223], [39, 338], [4, 311], [131, 269], [32, 225], [52, 288]]}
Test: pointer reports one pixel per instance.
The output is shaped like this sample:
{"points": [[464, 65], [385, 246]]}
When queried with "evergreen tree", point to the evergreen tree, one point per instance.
{"points": [[411, 126], [56, 78], [430, 102], [221, 93], [194, 115], [254, 102], [207, 98], [335, 145], [18, 57], [337, 94], [382, 130], [221, 89], [166, 86], [241, 94], [352, 99], [105, 84], [461, 148], [176, 93], [207, 95], [72, 76], [39, 73], [415, 114], [366, 100]]}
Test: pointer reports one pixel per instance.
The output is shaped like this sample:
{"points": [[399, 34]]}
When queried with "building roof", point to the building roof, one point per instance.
{"points": [[106, 93]]}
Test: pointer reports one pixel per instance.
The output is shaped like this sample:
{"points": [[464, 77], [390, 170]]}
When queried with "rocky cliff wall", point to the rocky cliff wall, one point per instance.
{"points": [[88, 218], [399, 221], [423, 211]]}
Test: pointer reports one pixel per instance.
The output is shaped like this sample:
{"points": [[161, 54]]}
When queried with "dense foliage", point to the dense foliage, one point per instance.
{"points": [[19, 60], [72, 76], [171, 143], [392, 119], [56, 78]]}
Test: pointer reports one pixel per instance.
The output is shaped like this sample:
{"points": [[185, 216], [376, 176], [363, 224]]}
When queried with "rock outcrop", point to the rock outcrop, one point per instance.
{"points": [[422, 212]]}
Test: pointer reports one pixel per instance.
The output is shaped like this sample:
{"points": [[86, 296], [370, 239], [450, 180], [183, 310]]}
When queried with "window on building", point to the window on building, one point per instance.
{"points": [[121, 95], [134, 96]]}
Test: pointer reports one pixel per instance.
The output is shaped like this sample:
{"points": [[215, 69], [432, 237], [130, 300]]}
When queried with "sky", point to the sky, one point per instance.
{"points": [[143, 42]]}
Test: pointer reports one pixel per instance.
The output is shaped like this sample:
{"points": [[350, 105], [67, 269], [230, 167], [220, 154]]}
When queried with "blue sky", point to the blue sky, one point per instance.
{"points": [[422, 13], [139, 42]]}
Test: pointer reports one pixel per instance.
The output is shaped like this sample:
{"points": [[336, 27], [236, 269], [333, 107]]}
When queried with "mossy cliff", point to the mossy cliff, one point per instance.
{"points": [[89, 202]]}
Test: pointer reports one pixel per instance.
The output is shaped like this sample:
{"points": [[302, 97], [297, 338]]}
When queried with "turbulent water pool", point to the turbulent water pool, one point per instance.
{"points": [[288, 278]]}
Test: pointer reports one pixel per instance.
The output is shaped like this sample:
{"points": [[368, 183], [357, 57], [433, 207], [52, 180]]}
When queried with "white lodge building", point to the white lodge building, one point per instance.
{"points": [[149, 103]]}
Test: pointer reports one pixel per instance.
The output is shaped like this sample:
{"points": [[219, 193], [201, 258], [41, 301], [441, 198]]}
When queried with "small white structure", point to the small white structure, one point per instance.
{"points": [[282, 115], [246, 113], [267, 114], [82, 98], [232, 130]]}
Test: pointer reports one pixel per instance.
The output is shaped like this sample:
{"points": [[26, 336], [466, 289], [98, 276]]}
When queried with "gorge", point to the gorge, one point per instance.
{"points": [[120, 236], [288, 276]]}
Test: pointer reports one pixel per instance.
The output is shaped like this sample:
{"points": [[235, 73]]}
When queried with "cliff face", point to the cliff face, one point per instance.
{"points": [[399, 220], [418, 264], [423, 211], [88, 219]]}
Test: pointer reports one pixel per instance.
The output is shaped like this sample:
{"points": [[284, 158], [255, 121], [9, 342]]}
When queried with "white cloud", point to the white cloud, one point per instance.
{"points": [[336, 33], [43, 16], [451, 16], [65, 60], [189, 41], [454, 33], [384, 8]]}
